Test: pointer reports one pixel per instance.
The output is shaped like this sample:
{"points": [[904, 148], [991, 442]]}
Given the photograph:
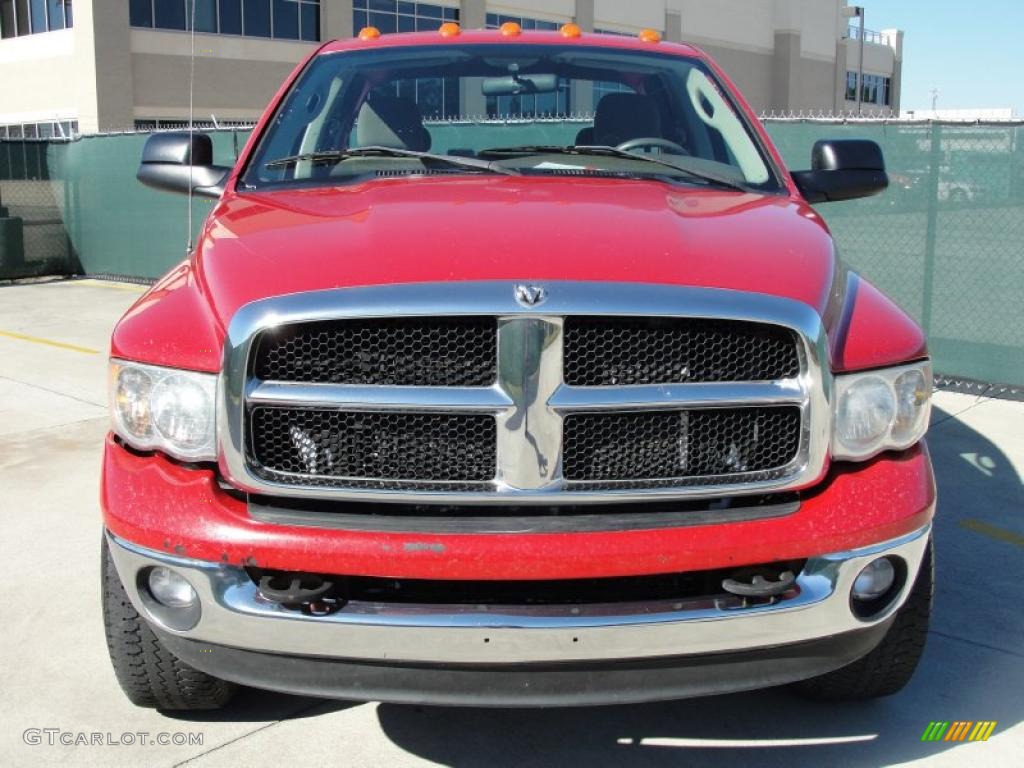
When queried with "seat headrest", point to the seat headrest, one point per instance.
{"points": [[624, 116], [585, 137], [391, 121]]}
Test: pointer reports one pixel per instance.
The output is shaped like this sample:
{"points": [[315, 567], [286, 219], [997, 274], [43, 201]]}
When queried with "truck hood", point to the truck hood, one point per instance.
{"points": [[524, 229]]}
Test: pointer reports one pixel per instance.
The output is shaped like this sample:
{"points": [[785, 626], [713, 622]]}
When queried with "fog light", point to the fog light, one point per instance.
{"points": [[171, 589], [875, 580]]}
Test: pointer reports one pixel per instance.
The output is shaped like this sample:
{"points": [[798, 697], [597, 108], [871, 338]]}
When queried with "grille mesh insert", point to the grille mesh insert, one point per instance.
{"points": [[635, 350], [308, 445], [416, 351], [679, 444]]}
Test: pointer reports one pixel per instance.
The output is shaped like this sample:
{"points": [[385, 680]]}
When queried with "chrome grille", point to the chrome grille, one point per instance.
{"points": [[310, 446], [597, 393], [421, 351], [608, 351], [685, 446]]}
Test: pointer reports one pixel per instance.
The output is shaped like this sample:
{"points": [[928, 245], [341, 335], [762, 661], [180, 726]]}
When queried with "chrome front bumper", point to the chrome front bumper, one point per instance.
{"points": [[234, 615]]}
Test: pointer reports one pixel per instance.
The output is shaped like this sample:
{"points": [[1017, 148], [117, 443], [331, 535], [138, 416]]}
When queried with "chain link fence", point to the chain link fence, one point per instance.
{"points": [[33, 239], [945, 241]]}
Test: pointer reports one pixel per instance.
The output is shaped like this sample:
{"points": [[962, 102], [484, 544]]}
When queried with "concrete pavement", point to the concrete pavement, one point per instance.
{"points": [[54, 672]]}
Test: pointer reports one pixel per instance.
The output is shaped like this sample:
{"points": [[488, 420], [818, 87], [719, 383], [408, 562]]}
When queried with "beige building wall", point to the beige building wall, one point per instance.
{"points": [[254, 68], [784, 55], [39, 78], [106, 74], [553, 10]]}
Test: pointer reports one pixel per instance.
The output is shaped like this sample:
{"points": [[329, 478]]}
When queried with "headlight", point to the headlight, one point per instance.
{"points": [[164, 409], [881, 410]]}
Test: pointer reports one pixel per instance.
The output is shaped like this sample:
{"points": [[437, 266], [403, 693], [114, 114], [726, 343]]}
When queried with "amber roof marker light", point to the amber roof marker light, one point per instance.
{"points": [[369, 33], [570, 30], [510, 29], [650, 35], [449, 29]]}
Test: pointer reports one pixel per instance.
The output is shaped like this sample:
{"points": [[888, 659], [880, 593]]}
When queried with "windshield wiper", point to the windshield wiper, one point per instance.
{"points": [[337, 155], [608, 151]]}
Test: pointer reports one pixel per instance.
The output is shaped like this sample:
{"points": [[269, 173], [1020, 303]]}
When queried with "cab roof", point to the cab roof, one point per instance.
{"points": [[542, 37]]}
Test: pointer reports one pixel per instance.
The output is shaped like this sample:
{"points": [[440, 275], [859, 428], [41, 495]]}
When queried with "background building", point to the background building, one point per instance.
{"points": [[106, 65]]}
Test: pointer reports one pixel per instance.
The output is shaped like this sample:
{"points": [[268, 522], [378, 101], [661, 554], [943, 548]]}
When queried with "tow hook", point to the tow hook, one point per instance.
{"points": [[758, 583], [293, 589]]}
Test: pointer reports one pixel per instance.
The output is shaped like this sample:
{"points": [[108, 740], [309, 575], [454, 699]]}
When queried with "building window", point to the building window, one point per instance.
{"points": [[279, 19], [52, 129], [495, 20], [871, 91], [851, 86], [169, 14], [389, 16], [27, 17], [876, 89], [886, 91]]}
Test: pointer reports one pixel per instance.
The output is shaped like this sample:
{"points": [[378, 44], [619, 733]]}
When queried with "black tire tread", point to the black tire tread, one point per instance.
{"points": [[149, 674], [889, 667]]}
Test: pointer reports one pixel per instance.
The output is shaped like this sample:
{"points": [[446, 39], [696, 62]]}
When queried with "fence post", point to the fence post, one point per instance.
{"points": [[934, 161], [73, 264]]}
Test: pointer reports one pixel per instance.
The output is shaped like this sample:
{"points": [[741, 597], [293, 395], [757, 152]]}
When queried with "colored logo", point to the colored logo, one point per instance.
{"points": [[958, 730]]}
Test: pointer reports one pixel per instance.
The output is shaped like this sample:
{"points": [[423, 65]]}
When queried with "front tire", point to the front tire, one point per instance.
{"points": [[889, 667], [149, 674]]}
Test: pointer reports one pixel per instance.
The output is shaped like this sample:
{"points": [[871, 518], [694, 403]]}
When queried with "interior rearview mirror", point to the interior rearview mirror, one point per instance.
{"points": [[177, 160], [513, 85], [843, 169]]}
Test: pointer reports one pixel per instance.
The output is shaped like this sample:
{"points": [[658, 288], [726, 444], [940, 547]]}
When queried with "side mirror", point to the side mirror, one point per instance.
{"points": [[842, 169], [174, 161]]}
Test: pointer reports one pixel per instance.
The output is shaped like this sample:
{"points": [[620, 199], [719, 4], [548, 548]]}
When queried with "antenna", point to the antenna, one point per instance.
{"points": [[191, 122]]}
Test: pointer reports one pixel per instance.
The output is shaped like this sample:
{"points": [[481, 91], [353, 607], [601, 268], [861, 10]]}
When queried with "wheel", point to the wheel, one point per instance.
{"points": [[671, 146], [149, 674], [889, 667]]}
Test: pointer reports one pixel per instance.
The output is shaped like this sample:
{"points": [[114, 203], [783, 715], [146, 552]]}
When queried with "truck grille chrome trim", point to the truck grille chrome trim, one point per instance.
{"points": [[528, 398]]}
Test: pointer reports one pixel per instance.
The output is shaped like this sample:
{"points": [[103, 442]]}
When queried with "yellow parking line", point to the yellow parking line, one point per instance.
{"points": [[49, 342], [993, 532]]}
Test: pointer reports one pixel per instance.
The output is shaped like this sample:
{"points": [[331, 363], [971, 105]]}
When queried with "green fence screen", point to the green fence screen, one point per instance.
{"points": [[106, 222], [946, 240]]}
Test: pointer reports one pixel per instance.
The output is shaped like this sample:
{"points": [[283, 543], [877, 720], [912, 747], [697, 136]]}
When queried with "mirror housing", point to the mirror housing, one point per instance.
{"points": [[170, 161], [842, 169]]}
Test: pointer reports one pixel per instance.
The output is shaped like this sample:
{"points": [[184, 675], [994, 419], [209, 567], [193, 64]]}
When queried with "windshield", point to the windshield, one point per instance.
{"points": [[514, 109]]}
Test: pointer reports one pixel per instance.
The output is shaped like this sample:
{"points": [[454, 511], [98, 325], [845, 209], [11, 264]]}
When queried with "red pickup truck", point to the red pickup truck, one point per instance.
{"points": [[511, 369]]}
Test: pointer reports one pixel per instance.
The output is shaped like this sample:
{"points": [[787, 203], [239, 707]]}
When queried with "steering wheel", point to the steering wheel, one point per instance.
{"points": [[651, 141]]}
